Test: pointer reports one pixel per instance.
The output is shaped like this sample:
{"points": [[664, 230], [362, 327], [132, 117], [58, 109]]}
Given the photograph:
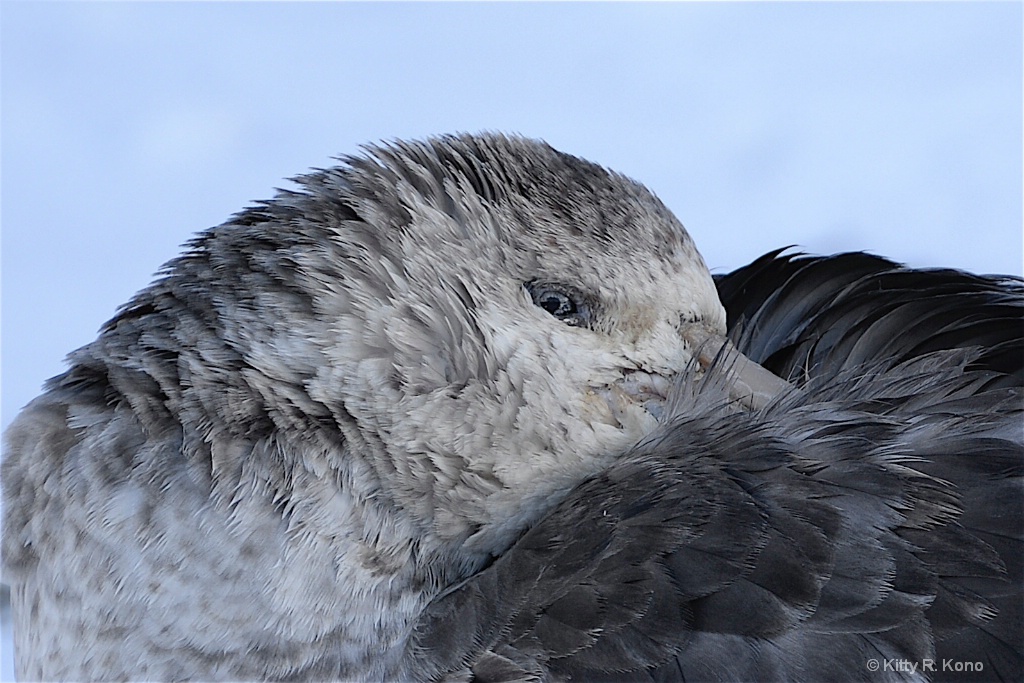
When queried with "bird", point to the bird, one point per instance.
{"points": [[471, 408]]}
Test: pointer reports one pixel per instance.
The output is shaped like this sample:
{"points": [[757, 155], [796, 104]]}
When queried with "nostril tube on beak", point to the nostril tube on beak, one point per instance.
{"points": [[752, 385]]}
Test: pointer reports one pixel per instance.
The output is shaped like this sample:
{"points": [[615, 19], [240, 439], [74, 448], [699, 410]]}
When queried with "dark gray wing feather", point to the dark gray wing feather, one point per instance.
{"points": [[857, 307], [806, 316]]}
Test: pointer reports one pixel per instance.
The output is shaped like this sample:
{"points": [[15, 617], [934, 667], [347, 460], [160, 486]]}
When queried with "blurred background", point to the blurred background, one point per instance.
{"points": [[894, 128]]}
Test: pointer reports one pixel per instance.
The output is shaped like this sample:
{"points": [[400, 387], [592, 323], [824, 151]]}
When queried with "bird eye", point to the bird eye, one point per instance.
{"points": [[561, 301]]}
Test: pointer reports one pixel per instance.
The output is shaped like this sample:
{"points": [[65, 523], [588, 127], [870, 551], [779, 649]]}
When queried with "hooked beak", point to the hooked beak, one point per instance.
{"points": [[640, 397], [752, 386]]}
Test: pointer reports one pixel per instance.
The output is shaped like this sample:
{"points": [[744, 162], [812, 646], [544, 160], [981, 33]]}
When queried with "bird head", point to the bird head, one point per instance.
{"points": [[498, 320], [487, 319]]}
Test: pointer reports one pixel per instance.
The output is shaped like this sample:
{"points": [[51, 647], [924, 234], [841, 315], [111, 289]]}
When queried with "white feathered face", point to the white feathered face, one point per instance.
{"points": [[495, 351]]}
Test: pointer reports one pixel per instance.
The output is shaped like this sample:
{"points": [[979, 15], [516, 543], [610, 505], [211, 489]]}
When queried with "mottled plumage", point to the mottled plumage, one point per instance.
{"points": [[438, 413], [335, 405], [874, 518]]}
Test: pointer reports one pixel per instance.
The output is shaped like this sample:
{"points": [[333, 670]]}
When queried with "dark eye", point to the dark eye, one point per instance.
{"points": [[561, 301]]}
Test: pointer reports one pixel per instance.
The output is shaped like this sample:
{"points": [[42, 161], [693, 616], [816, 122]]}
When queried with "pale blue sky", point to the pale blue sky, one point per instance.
{"points": [[894, 128], [126, 127]]}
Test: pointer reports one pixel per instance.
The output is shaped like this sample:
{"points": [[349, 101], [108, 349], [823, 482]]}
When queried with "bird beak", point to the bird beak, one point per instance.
{"points": [[751, 385]]}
